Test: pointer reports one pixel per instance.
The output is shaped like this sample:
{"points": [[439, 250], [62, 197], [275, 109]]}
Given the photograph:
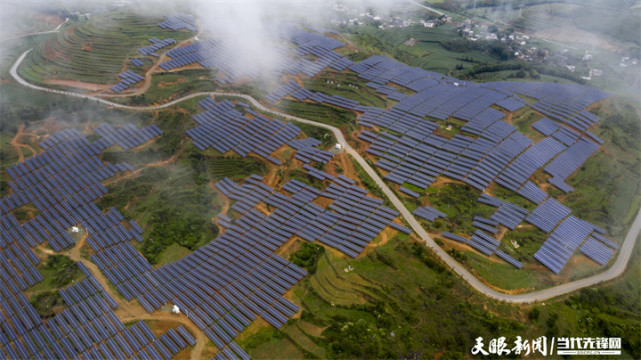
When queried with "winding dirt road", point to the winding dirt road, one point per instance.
{"points": [[131, 310], [614, 271]]}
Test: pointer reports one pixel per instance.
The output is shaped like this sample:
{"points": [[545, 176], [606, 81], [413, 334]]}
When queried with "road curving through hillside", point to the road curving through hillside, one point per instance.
{"points": [[57, 29], [614, 271]]}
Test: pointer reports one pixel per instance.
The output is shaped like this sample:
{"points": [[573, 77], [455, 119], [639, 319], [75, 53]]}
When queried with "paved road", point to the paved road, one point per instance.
{"points": [[615, 270], [426, 7], [38, 32]]}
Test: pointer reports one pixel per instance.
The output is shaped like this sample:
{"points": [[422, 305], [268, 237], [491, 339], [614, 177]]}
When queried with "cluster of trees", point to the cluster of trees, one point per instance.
{"points": [[170, 225], [495, 48], [45, 302], [523, 70], [307, 256], [181, 214], [625, 131], [58, 271], [63, 270], [601, 310], [408, 317], [459, 201], [120, 193], [322, 134]]}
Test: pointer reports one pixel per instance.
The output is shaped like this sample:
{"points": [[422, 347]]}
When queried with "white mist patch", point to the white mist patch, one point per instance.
{"points": [[252, 33], [249, 32]]}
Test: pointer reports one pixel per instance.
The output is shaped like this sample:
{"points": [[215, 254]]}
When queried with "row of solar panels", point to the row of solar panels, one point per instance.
{"points": [[179, 21], [157, 45], [405, 158], [354, 221], [137, 62], [222, 55], [127, 78], [429, 213], [127, 136], [307, 151], [225, 128]]}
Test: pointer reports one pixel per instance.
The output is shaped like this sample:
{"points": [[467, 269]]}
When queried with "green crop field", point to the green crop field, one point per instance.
{"points": [[428, 52]]}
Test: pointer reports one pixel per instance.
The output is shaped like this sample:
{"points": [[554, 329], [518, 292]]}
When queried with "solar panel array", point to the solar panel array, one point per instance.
{"points": [[485, 224], [86, 328], [517, 173], [58, 182], [566, 234], [548, 214], [137, 62], [288, 88], [307, 151], [509, 259], [546, 126], [209, 53], [62, 182], [562, 243], [349, 223], [429, 213], [409, 192], [496, 151], [179, 21], [294, 90], [441, 97], [597, 251], [483, 243], [512, 103], [318, 174], [224, 128], [157, 44], [568, 162], [509, 215], [126, 136], [224, 55], [418, 158], [226, 284], [222, 286], [454, 237], [388, 91], [127, 78], [381, 69], [318, 45]]}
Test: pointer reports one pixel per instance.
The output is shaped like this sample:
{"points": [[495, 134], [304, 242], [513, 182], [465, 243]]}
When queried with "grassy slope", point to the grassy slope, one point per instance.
{"points": [[95, 50], [427, 53], [399, 302], [607, 189]]}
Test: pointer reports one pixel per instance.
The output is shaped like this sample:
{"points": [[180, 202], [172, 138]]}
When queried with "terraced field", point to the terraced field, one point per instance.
{"points": [[95, 50]]}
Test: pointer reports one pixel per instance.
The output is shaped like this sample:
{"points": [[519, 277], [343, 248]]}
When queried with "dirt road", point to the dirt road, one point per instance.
{"points": [[131, 310]]}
